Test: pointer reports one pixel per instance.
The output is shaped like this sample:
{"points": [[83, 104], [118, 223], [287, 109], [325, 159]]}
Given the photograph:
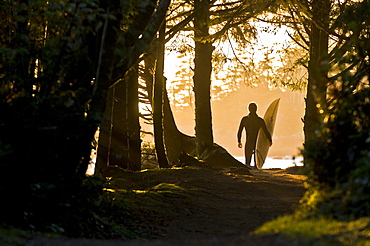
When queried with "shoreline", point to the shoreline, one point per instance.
{"points": [[281, 162]]}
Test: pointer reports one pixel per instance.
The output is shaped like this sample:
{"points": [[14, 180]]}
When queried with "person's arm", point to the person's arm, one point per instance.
{"points": [[268, 135], [240, 131]]}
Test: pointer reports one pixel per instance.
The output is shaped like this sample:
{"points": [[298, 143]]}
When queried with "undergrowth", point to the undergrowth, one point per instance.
{"points": [[107, 210], [320, 230]]}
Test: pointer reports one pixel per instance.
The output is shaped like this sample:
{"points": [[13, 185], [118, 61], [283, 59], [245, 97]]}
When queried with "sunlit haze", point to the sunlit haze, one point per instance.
{"points": [[229, 108]]}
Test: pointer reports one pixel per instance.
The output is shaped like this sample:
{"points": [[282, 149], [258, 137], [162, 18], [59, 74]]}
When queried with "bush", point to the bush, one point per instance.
{"points": [[338, 159]]}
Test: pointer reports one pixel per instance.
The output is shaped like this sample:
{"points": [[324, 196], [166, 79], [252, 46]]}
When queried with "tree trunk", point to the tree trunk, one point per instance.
{"points": [[175, 141], [119, 138], [129, 69], [118, 144], [102, 101], [142, 36], [23, 59], [102, 158], [317, 69], [202, 76], [158, 101], [133, 125]]}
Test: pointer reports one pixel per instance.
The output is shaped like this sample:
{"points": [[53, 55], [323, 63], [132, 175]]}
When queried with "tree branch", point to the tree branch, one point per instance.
{"points": [[143, 43]]}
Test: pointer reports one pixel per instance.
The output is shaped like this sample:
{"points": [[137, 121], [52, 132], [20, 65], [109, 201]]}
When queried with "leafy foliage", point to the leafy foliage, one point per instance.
{"points": [[233, 34], [48, 59], [50, 62], [339, 158]]}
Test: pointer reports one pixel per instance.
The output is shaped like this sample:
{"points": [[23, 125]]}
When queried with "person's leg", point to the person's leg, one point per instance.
{"points": [[254, 159], [248, 154]]}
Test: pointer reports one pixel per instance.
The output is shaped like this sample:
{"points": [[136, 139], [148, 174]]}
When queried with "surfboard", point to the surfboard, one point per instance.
{"points": [[263, 144]]}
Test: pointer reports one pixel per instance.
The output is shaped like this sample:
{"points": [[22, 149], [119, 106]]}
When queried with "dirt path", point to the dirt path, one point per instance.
{"points": [[216, 207]]}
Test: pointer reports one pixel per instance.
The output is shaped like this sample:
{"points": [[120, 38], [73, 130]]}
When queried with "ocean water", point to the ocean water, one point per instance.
{"points": [[281, 162]]}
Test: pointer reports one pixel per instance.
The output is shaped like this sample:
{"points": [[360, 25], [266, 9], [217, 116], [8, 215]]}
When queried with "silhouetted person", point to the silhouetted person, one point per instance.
{"points": [[252, 123]]}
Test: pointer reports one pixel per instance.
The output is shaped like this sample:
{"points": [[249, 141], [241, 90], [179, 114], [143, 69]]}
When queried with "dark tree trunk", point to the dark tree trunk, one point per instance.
{"points": [[118, 144], [119, 139], [317, 69], [202, 76], [146, 34], [146, 28], [102, 159], [172, 137], [133, 125], [158, 101], [176, 142], [135, 48], [22, 59], [103, 95]]}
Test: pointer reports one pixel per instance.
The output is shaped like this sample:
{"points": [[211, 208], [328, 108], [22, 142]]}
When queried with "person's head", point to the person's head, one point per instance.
{"points": [[252, 108]]}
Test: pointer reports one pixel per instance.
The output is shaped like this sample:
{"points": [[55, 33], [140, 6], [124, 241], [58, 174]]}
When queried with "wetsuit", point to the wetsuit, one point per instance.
{"points": [[252, 123]]}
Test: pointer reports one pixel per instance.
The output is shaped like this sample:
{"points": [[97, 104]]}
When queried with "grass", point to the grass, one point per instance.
{"points": [[320, 231], [125, 213], [13, 237], [147, 211]]}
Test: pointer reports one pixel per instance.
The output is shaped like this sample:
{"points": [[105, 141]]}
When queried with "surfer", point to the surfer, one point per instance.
{"points": [[252, 123]]}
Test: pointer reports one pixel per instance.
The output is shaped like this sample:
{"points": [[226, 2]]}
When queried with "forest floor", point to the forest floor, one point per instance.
{"points": [[203, 206]]}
